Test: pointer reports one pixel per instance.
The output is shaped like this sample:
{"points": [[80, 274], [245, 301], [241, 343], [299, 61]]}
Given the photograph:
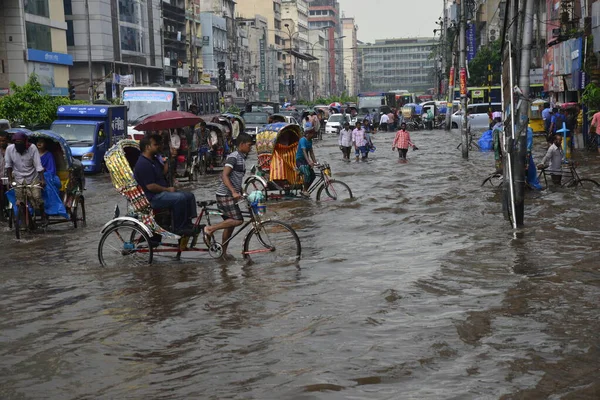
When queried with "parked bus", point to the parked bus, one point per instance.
{"points": [[375, 100], [142, 102], [478, 95]]}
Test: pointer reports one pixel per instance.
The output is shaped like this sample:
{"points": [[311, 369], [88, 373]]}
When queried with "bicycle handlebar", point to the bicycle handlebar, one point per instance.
{"points": [[17, 186]]}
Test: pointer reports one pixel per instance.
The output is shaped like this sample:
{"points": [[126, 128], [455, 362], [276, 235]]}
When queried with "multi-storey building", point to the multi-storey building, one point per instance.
{"points": [[258, 59], [350, 56], [324, 14], [393, 64], [174, 39], [271, 10], [294, 15], [194, 40], [216, 49], [33, 40], [320, 68], [124, 39]]}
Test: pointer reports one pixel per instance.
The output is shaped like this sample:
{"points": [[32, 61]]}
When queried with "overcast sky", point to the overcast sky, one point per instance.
{"points": [[384, 19]]}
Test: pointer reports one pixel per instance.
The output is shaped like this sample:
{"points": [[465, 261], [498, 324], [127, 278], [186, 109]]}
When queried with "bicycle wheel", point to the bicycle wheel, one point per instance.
{"points": [[78, 213], [272, 241], [255, 185], [494, 180], [585, 183], [334, 190], [124, 245]]}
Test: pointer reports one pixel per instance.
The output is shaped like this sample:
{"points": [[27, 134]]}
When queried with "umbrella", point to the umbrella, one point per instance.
{"points": [[335, 105], [168, 120]]}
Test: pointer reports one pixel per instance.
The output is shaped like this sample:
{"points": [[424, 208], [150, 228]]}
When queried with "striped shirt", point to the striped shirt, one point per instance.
{"points": [[402, 140], [236, 161]]}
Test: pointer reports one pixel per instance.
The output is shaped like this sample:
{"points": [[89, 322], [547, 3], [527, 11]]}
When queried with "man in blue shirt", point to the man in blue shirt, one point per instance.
{"points": [[149, 172], [305, 157], [547, 116]]}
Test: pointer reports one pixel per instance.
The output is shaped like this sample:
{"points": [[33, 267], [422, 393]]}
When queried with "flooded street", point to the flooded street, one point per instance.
{"points": [[418, 288]]}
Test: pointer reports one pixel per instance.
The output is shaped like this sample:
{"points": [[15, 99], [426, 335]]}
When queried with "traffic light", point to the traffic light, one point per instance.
{"points": [[71, 90], [292, 85], [222, 82]]}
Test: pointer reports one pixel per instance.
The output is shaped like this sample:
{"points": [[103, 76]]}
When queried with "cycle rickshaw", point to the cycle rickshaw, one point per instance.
{"points": [[64, 203], [276, 176], [134, 239]]}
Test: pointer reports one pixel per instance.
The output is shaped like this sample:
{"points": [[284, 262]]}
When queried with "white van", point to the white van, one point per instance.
{"points": [[477, 116]]}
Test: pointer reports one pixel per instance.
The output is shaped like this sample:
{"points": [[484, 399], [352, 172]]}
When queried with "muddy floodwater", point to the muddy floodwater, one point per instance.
{"points": [[416, 289]]}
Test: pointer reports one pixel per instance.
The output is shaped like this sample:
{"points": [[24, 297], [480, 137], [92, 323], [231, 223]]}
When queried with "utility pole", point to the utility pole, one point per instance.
{"points": [[89, 49], [523, 102], [451, 79], [463, 78]]}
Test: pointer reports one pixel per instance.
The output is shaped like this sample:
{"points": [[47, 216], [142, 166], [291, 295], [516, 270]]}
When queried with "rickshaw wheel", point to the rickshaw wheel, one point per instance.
{"points": [[202, 165], [17, 218], [125, 245], [194, 176], [77, 210], [255, 185]]}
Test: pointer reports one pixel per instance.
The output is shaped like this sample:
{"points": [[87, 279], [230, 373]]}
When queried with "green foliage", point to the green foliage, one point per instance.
{"points": [[591, 98], [233, 109], [478, 66], [29, 106]]}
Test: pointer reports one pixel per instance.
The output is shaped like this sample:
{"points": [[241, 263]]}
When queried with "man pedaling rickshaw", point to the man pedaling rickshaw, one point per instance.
{"points": [[23, 166], [149, 173]]}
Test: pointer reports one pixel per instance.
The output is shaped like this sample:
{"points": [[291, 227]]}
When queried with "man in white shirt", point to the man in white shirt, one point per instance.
{"points": [[345, 141], [383, 122], [555, 156], [23, 166], [236, 128]]}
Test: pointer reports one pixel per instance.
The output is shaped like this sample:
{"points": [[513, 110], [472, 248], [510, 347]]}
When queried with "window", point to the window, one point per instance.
{"points": [[38, 36], [70, 34], [130, 11], [68, 7], [131, 39], [37, 7]]}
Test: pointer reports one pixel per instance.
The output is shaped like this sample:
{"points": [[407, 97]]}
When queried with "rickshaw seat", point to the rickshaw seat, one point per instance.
{"points": [[64, 179]]}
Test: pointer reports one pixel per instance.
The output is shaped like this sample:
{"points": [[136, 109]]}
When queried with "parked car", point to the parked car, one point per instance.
{"points": [[255, 121], [335, 122], [477, 116]]}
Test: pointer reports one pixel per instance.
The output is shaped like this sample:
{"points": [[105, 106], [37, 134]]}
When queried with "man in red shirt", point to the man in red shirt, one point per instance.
{"points": [[402, 142]]}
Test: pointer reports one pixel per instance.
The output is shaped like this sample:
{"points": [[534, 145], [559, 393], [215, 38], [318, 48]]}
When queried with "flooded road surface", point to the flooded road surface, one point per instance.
{"points": [[416, 289]]}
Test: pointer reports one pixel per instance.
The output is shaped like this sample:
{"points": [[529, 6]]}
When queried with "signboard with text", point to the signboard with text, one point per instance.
{"points": [[463, 82], [471, 42]]}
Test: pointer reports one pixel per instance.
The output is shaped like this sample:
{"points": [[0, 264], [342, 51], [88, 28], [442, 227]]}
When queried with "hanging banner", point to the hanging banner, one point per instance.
{"points": [[471, 42], [463, 82], [451, 76]]}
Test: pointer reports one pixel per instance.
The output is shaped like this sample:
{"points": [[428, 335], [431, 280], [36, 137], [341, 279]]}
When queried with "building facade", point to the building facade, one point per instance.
{"points": [[320, 68], [350, 55], [124, 39], [33, 41], [325, 14], [271, 11], [397, 64]]}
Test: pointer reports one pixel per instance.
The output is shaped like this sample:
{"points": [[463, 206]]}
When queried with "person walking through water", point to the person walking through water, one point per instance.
{"points": [[402, 142], [359, 141], [345, 141]]}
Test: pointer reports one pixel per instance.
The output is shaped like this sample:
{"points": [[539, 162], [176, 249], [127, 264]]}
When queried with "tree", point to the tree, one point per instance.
{"points": [[478, 66], [28, 105]]}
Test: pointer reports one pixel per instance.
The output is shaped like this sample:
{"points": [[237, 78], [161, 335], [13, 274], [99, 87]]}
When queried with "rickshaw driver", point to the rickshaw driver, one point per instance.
{"points": [[23, 166], [229, 192], [149, 174], [305, 158]]}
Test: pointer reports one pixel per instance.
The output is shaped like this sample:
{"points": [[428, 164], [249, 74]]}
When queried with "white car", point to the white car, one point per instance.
{"points": [[477, 116], [335, 122]]}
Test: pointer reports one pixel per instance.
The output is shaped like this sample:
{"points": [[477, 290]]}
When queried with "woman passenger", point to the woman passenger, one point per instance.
{"points": [[48, 163]]}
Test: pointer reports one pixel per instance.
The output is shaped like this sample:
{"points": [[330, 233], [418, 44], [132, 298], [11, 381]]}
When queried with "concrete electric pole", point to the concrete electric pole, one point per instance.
{"points": [[463, 78]]}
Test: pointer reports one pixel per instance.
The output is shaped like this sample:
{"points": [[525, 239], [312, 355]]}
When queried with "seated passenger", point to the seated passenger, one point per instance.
{"points": [[48, 163], [149, 173]]}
